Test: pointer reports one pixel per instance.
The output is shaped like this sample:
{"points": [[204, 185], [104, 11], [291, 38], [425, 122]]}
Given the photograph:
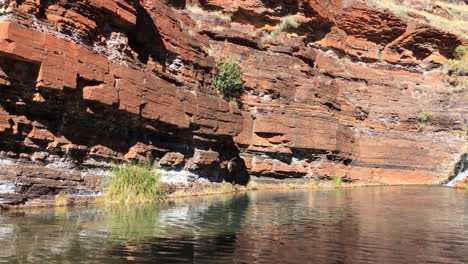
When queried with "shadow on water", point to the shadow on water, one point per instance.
{"points": [[362, 225]]}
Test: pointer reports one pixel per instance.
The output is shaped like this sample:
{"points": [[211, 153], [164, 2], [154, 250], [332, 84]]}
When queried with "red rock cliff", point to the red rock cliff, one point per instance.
{"points": [[103, 80]]}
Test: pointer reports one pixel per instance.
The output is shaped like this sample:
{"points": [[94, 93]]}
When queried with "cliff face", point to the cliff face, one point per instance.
{"points": [[90, 82]]}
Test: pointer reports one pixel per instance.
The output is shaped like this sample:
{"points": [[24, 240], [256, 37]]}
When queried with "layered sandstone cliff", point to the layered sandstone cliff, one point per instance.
{"points": [[87, 83]]}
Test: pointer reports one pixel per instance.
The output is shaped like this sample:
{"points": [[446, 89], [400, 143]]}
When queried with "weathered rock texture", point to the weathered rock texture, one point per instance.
{"points": [[90, 82]]}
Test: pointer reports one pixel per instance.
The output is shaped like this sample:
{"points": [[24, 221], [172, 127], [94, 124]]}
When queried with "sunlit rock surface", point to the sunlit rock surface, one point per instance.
{"points": [[93, 82]]}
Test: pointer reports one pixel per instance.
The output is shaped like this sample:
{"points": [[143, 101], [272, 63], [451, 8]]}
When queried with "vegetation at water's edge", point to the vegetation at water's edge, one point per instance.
{"points": [[135, 183], [337, 181], [251, 185], [228, 78], [463, 185], [286, 23], [62, 200], [459, 65]]}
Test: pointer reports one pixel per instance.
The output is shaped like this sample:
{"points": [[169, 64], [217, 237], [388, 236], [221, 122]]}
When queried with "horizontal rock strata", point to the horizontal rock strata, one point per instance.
{"points": [[94, 82]]}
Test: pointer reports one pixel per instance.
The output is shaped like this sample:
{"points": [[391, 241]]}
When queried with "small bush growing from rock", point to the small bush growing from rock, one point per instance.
{"points": [[286, 23], [424, 118], [135, 183], [228, 78], [459, 65]]}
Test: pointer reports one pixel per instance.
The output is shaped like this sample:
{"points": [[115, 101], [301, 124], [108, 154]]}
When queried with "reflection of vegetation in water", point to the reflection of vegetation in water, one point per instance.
{"points": [[135, 183], [221, 217], [133, 223], [333, 225]]}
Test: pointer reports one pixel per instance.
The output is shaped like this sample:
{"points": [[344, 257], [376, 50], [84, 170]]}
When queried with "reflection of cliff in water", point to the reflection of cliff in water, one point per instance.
{"points": [[362, 225]]}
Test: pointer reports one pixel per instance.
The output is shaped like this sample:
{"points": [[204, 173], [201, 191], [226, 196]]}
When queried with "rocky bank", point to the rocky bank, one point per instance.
{"points": [[87, 83]]}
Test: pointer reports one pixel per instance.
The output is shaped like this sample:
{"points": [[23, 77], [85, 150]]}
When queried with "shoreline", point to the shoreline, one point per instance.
{"points": [[194, 190]]}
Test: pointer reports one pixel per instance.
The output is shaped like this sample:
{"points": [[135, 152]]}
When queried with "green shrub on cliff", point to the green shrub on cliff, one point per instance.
{"points": [[459, 65], [228, 78], [286, 23], [135, 183], [424, 118]]}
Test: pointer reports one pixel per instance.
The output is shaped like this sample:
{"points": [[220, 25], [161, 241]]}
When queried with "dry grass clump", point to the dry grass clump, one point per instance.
{"points": [[222, 18], [450, 16], [286, 23]]}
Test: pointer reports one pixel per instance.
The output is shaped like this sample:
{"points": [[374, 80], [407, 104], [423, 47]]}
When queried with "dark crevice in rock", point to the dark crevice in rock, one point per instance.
{"points": [[145, 38], [18, 72], [332, 106], [232, 39], [177, 4], [330, 75]]}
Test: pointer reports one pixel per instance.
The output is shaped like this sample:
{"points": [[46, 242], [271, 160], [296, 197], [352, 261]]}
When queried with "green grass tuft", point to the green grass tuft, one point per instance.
{"points": [[228, 78], [423, 118], [135, 183], [62, 200], [459, 65], [337, 181]]}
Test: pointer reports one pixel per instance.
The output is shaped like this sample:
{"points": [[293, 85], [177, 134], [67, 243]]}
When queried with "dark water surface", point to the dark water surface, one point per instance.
{"points": [[362, 225]]}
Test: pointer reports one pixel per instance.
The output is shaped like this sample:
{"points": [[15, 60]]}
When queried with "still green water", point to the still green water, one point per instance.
{"points": [[361, 225]]}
